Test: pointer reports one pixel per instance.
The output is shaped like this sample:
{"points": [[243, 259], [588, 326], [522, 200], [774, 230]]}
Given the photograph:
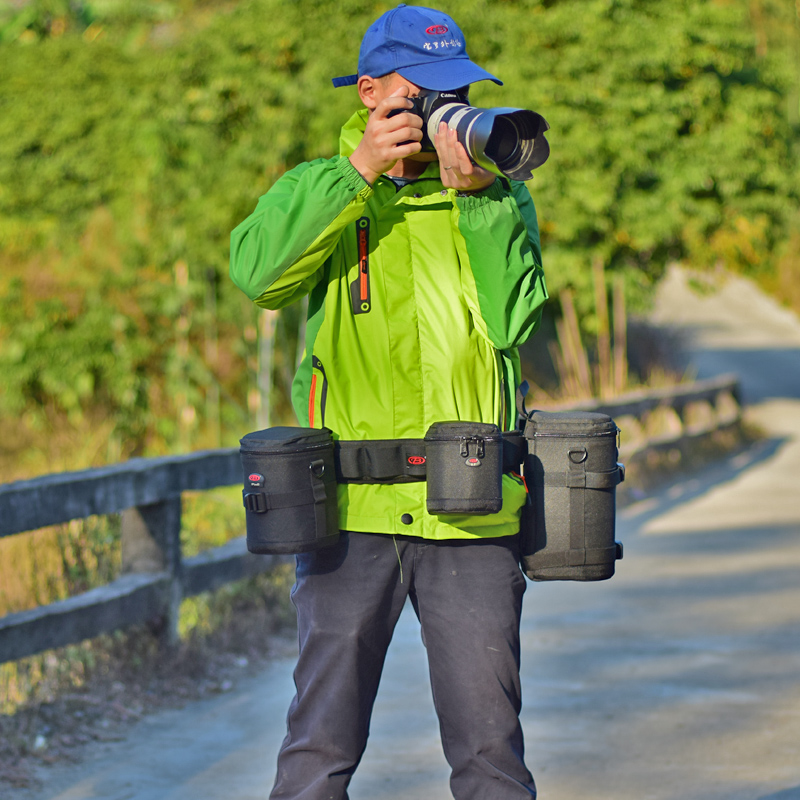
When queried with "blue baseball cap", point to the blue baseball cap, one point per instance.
{"points": [[424, 45]]}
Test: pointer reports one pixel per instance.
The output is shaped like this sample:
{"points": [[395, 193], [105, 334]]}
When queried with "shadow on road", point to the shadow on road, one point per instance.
{"points": [[689, 486], [765, 373], [685, 658], [786, 794]]}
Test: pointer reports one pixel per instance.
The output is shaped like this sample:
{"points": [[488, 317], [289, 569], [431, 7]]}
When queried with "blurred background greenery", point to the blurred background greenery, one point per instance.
{"points": [[135, 134]]}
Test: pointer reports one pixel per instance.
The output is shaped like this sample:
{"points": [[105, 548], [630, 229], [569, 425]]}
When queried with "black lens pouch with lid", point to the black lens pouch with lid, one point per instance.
{"points": [[289, 490], [464, 468], [572, 472]]}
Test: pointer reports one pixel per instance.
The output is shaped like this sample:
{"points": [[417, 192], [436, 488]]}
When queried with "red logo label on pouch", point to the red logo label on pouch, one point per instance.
{"points": [[416, 460], [436, 30], [473, 462], [255, 478]]}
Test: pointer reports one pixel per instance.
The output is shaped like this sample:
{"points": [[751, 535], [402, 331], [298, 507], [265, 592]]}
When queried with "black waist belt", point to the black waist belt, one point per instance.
{"points": [[403, 460]]}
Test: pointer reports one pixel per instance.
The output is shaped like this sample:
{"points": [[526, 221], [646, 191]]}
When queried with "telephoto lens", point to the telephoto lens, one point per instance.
{"points": [[506, 141]]}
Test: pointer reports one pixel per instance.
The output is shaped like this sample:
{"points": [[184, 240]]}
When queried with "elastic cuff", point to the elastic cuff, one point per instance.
{"points": [[354, 179], [494, 192]]}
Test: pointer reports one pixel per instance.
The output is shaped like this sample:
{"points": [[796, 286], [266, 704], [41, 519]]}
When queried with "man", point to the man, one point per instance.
{"points": [[424, 275]]}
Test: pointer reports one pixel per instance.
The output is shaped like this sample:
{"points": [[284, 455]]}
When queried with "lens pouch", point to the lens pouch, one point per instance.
{"points": [[289, 490], [464, 468], [572, 472]]}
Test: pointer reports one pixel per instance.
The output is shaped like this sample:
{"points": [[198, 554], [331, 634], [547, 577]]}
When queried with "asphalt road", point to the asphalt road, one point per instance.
{"points": [[678, 678]]}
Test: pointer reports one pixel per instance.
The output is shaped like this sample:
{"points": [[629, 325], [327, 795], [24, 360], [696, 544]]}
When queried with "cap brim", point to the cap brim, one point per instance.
{"points": [[447, 75]]}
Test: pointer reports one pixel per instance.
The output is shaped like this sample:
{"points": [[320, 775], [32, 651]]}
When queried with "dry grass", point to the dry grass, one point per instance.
{"points": [[785, 285], [95, 691], [621, 356], [51, 564]]}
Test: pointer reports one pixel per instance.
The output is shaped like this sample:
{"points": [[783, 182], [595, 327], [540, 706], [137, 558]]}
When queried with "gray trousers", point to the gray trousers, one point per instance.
{"points": [[468, 598]]}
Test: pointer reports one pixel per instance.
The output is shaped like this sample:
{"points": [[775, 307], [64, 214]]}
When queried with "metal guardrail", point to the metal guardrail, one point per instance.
{"points": [[147, 492]]}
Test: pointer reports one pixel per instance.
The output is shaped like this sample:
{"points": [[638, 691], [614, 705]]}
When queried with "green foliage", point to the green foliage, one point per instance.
{"points": [[135, 135], [666, 136]]}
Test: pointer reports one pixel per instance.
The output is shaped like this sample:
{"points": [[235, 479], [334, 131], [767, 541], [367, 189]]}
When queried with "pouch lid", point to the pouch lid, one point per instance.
{"points": [[569, 423], [455, 431], [285, 439]]}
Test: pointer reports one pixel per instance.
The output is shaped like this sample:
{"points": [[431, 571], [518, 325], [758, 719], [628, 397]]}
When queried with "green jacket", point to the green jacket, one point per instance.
{"points": [[418, 301]]}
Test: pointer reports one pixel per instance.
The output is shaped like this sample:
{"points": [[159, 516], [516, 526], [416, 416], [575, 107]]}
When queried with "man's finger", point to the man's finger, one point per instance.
{"points": [[391, 103], [464, 163], [444, 147], [405, 120], [409, 132], [409, 149]]}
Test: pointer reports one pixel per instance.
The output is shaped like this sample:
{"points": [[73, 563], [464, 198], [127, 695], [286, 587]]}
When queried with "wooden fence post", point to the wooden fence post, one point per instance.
{"points": [[151, 542]]}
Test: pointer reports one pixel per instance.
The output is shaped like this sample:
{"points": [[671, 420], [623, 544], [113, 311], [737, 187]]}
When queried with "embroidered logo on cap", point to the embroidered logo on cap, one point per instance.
{"points": [[436, 30]]}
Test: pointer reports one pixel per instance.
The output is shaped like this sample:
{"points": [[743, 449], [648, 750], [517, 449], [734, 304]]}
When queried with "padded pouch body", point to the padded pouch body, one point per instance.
{"points": [[571, 470], [289, 490], [464, 468]]}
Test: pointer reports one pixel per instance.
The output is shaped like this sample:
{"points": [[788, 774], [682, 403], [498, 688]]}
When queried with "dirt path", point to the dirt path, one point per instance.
{"points": [[677, 680]]}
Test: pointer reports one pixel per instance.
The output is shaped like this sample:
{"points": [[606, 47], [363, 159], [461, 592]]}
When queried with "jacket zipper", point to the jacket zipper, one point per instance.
{"points": [[499, 363], [312, 395], [360, 288], [311, 398]]}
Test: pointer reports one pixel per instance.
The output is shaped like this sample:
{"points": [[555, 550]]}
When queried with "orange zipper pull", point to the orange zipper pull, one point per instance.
{"points": [[359, 288]]}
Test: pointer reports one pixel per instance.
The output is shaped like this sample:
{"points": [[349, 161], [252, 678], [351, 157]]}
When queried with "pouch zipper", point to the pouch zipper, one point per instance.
{"points": [[280, 453], [576, 435]]}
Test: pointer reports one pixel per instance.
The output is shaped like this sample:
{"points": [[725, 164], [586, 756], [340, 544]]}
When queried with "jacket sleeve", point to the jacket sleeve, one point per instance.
{"points": [[278, 252], [501, 235]]}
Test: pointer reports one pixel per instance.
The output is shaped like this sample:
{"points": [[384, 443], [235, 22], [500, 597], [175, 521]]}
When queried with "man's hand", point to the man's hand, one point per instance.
{"points": [[455, 167], [387, 139]]}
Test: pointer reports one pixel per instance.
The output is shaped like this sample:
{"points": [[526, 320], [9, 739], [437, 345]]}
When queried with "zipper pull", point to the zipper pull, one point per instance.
{"points": [[360, 288]]}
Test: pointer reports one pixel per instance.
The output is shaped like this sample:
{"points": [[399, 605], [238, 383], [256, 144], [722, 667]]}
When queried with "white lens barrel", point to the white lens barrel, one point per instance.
{"points": [[475, 126]]}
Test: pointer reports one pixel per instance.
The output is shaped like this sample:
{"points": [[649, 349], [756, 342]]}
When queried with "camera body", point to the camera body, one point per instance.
{"points": [[506, 141], [427, 103]]}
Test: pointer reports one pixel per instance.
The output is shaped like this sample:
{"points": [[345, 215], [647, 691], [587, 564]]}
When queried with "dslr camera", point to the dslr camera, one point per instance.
{"points": [[506, 141]]}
